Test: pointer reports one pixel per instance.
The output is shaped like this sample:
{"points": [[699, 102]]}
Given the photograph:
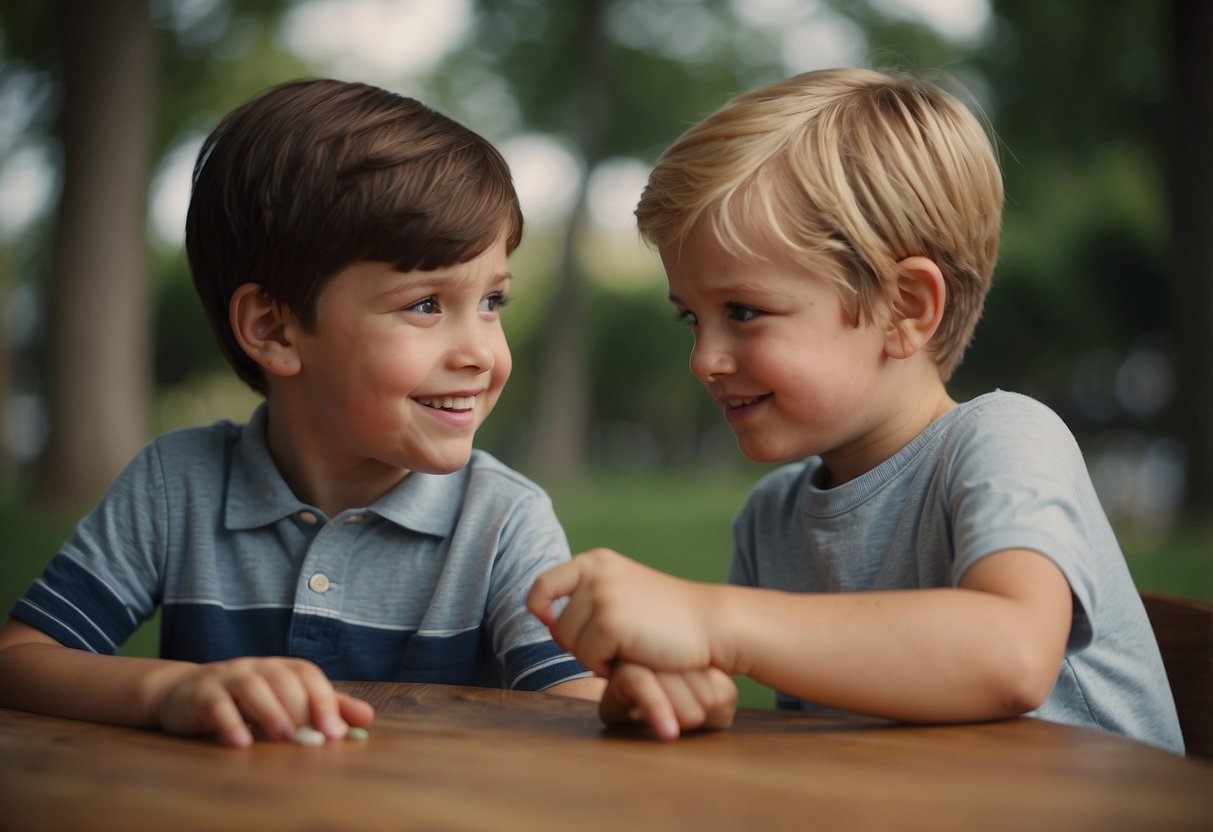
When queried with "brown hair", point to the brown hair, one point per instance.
{"points": [[313, 175], [848, 171]]}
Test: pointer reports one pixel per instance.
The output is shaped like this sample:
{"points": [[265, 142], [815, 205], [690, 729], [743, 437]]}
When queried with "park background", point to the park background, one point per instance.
{"points": [[1102, 305]]}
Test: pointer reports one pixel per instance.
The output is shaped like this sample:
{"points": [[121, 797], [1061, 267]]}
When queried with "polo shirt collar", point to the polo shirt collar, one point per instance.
{"points": [[427, 503], [257, 495]]}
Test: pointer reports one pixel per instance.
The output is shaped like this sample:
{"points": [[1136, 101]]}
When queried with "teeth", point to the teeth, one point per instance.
{"points": [[450, 402], [740, 402]]}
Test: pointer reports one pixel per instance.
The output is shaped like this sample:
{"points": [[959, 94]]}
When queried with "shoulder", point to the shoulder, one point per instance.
{"points": [[485, 470], [1003, 409], [198, 439], [190, 453], [492, 489], [1002, 424]]}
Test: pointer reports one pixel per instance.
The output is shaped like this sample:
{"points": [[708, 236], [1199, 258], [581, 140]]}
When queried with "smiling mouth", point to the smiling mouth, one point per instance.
{"points": [[448, 402], [734, 403]]}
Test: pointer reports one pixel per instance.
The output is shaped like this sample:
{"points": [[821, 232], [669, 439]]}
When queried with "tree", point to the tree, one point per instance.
{"points": [[1190, 169], [562, 404], [98, 378]]}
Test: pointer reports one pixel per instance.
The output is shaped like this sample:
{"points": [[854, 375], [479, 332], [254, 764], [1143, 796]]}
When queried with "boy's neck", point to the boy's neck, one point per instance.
{"points": [[896, 423], [316, 478]]}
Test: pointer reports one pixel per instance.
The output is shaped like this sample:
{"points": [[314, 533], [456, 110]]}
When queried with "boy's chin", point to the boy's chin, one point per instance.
{"points": [[758, 453], [447, 466]]}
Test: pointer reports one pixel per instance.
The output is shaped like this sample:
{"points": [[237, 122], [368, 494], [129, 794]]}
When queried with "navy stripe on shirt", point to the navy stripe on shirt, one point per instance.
{"points": [[107, 623], [203, 632]]}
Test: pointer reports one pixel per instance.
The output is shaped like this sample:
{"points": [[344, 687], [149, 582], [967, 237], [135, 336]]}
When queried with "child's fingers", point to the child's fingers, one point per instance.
{"points": [[228, 723], [285, 678], [323, 710], [688, 712], [355, 711], [638, 696], [259, 704], [558, 582], [579, 631], [716, 693]]}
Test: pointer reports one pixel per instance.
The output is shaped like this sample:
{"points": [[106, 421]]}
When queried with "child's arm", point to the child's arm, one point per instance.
{"points": [[988, 649], [274, 695], [589, 687]]}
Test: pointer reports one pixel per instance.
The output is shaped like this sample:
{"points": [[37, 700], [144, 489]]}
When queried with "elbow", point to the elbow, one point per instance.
{"points": [[1022, 683]]}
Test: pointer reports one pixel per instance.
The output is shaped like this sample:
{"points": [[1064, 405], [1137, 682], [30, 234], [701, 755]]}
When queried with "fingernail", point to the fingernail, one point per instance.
{"points": [[239, 739], [668, 729], [335, 727]]}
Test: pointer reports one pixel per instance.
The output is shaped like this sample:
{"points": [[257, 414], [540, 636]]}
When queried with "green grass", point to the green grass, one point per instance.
{"points": [[675, 522]]}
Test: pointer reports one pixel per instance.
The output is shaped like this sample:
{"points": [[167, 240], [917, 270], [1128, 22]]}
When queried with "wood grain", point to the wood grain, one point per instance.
{"points": [[453, 758]]}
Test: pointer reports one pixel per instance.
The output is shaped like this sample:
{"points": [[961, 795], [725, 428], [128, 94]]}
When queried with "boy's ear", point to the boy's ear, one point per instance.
{"points": [[265, 330], [917, 306]]}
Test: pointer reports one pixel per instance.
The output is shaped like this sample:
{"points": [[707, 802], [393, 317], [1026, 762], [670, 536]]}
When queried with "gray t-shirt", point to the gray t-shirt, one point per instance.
{"points": [[999, 472]]}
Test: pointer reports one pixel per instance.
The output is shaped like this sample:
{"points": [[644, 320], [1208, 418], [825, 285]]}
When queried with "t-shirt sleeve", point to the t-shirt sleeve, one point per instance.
{"points": [[104, 581], [1017, 480], [532, 541]]}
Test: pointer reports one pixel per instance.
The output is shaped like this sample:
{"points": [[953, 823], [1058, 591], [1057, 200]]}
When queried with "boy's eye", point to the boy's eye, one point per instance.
{"points": [[686, 316], [428, 306], [741, 313], [494, 302]]}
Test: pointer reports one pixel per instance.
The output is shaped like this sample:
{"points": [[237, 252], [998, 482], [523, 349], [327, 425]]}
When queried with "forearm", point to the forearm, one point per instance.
{"points": [[916, 655], [59, 681], [988, 649], [590, 687], [272, 694]]}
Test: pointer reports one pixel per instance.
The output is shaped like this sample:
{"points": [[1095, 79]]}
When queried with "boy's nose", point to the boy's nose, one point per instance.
{"points": [[473, 347], [710, 361]]}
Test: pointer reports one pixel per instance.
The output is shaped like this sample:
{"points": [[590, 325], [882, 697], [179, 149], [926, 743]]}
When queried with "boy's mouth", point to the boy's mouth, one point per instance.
{"points": [[734, 403], [736, 409], [448, 402]]}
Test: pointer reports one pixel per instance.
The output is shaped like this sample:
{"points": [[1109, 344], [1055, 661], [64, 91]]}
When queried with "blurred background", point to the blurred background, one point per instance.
{"points": [[1101, 307]]}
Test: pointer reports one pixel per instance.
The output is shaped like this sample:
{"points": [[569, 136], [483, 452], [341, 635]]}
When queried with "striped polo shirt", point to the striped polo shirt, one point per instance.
{"points": [[427, 584]]}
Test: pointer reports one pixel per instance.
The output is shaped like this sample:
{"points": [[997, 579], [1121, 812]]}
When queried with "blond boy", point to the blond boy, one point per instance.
{"points": [[830, 240]]}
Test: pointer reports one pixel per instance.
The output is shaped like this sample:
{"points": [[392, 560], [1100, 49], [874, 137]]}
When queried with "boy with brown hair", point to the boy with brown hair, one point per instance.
{"points": [[830, 240], [350, 247]]}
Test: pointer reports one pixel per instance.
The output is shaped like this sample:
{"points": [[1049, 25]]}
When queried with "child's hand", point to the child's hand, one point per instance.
{"points": [[619, 609], [275, 695], [669, 703]]}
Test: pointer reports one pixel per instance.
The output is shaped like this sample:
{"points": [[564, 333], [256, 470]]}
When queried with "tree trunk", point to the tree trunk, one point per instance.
{"points": [[562, 407], [1191, 198], [98, 363], [8, 466]]}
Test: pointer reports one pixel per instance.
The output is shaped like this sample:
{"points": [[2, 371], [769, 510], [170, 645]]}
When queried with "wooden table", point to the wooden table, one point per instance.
{"points": [[453, 758]]}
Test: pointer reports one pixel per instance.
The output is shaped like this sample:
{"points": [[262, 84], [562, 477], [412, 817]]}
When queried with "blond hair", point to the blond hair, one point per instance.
{"points": [[848, 171]]}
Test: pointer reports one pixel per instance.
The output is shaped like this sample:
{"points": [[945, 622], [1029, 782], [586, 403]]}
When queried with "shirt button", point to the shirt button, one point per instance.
{"points": [[319, 582], [355, 518], [308, 517]]}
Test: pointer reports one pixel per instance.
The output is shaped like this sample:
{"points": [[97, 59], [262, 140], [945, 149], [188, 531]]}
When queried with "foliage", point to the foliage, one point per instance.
{"points": [[1080, 285]]}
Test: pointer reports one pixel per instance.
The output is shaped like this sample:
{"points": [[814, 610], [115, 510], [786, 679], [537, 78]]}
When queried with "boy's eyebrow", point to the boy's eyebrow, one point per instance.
{"points": [[411, 281], [740, 288]]}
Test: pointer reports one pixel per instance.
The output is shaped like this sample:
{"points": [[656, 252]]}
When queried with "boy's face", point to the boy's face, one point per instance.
{"points": [[777, 350], [402, 367]]}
